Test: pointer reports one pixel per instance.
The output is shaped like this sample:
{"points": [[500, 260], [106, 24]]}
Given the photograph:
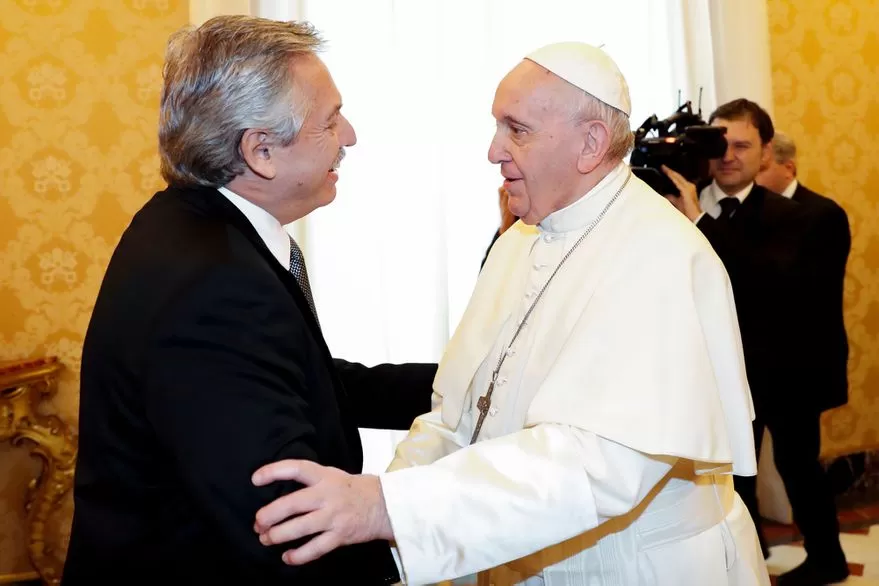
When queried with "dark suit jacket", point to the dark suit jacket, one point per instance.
{"points": [[766, 248], [201, 363], [824, 302]]}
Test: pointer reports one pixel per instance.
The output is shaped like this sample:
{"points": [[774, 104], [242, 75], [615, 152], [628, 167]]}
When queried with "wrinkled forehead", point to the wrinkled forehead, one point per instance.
{"points": [[531, 91], [315, 88]]}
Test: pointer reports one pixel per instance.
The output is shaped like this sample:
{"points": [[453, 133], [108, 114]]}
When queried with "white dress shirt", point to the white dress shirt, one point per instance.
{"points": [[790, 189], [709, 199], [266, 225]]}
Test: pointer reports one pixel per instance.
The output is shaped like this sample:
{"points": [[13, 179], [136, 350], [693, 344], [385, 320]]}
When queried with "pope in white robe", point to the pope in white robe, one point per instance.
{"points": [[620, 406]]}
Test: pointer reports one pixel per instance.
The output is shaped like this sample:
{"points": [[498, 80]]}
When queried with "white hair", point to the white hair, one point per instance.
{"points": [[784, 148], [231, 74], [622, 139]]}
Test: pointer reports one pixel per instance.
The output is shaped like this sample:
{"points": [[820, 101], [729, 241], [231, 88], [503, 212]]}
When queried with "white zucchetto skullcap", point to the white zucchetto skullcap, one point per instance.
{"points": [[588, 68]]}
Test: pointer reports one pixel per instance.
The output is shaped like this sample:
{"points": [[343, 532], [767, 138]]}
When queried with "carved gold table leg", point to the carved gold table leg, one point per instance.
{"points": [[23, 386]]}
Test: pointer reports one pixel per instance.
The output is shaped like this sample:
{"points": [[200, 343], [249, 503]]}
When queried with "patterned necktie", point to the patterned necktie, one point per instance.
{"points": [[297, 267], [728, 207]]}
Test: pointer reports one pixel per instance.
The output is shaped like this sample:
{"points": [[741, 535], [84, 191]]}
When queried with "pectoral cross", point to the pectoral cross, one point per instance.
{"points": [[483, 404]]}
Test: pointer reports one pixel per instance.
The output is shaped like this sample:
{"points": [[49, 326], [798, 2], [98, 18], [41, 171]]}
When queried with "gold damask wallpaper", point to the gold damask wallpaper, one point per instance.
{"points": [[825, 75], [79, 90]]}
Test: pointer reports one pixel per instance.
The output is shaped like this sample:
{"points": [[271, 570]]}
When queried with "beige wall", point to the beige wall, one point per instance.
{"points": [[825, 77], [79, 89]]}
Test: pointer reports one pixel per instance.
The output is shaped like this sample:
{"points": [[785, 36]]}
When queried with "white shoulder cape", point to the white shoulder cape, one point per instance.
{"points": [[638, 339]]}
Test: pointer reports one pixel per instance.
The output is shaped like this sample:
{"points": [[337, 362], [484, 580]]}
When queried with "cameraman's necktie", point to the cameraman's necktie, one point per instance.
{"points": [[297, 267], [728, 207]]}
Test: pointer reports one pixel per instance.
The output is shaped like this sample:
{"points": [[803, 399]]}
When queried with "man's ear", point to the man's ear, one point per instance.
{"points": [[257, 150], [596, 142], [766, 156]]}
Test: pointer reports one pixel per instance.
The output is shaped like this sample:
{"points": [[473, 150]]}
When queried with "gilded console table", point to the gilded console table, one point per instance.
{"points": [[24, 385]]}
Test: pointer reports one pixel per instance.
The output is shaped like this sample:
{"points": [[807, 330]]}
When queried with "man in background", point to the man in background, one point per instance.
{"points": [[830, 341], [788, 295], [826, 303]]}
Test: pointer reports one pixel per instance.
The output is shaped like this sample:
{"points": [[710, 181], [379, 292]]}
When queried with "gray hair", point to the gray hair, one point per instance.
{"points": [[622, 139], [231, 74], [784, 148]]}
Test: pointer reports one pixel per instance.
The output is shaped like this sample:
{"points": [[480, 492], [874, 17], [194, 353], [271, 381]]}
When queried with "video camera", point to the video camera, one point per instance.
{"points": [[682, 142]]}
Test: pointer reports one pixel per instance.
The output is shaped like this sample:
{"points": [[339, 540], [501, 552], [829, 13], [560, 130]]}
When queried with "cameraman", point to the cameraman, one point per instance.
{"points": [[766, 242]]}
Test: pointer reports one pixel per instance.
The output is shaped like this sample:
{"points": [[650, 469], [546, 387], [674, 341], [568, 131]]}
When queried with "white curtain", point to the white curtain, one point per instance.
{"points": [[394, 259], [740, 35]]}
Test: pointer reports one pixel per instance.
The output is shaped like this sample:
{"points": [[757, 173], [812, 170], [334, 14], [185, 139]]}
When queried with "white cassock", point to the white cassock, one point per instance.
{"points": [[618, 416]]}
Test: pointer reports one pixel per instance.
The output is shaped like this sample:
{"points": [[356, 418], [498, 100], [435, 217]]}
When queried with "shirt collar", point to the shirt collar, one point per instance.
{"points": [[719, 194], [712, 194], [583, 211], [270, 230]]}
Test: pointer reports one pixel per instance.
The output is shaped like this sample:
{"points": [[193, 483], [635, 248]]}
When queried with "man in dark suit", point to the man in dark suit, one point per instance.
{"points": [[829, 338], [204, 357], [769, 245]]}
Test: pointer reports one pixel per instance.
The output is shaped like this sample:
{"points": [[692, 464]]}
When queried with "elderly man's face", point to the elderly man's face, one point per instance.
{"points": [[308, 167], [777, 176], [536, 143]]}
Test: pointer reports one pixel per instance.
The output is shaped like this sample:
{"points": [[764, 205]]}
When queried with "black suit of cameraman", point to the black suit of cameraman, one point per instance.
{"points": [[765, 246], [769, 244]]}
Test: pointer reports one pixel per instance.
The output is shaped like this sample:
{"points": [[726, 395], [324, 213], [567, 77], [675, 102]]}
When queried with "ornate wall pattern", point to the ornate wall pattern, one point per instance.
{"points": [[79, 90], [825, 62]]}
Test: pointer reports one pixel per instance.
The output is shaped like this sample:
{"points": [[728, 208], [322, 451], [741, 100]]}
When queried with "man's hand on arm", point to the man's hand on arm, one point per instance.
{"points": [[336, 507], [535, 488]]}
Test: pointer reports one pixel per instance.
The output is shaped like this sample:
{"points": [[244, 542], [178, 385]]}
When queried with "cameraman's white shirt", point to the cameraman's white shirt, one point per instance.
{"points": [[710, 197]]}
